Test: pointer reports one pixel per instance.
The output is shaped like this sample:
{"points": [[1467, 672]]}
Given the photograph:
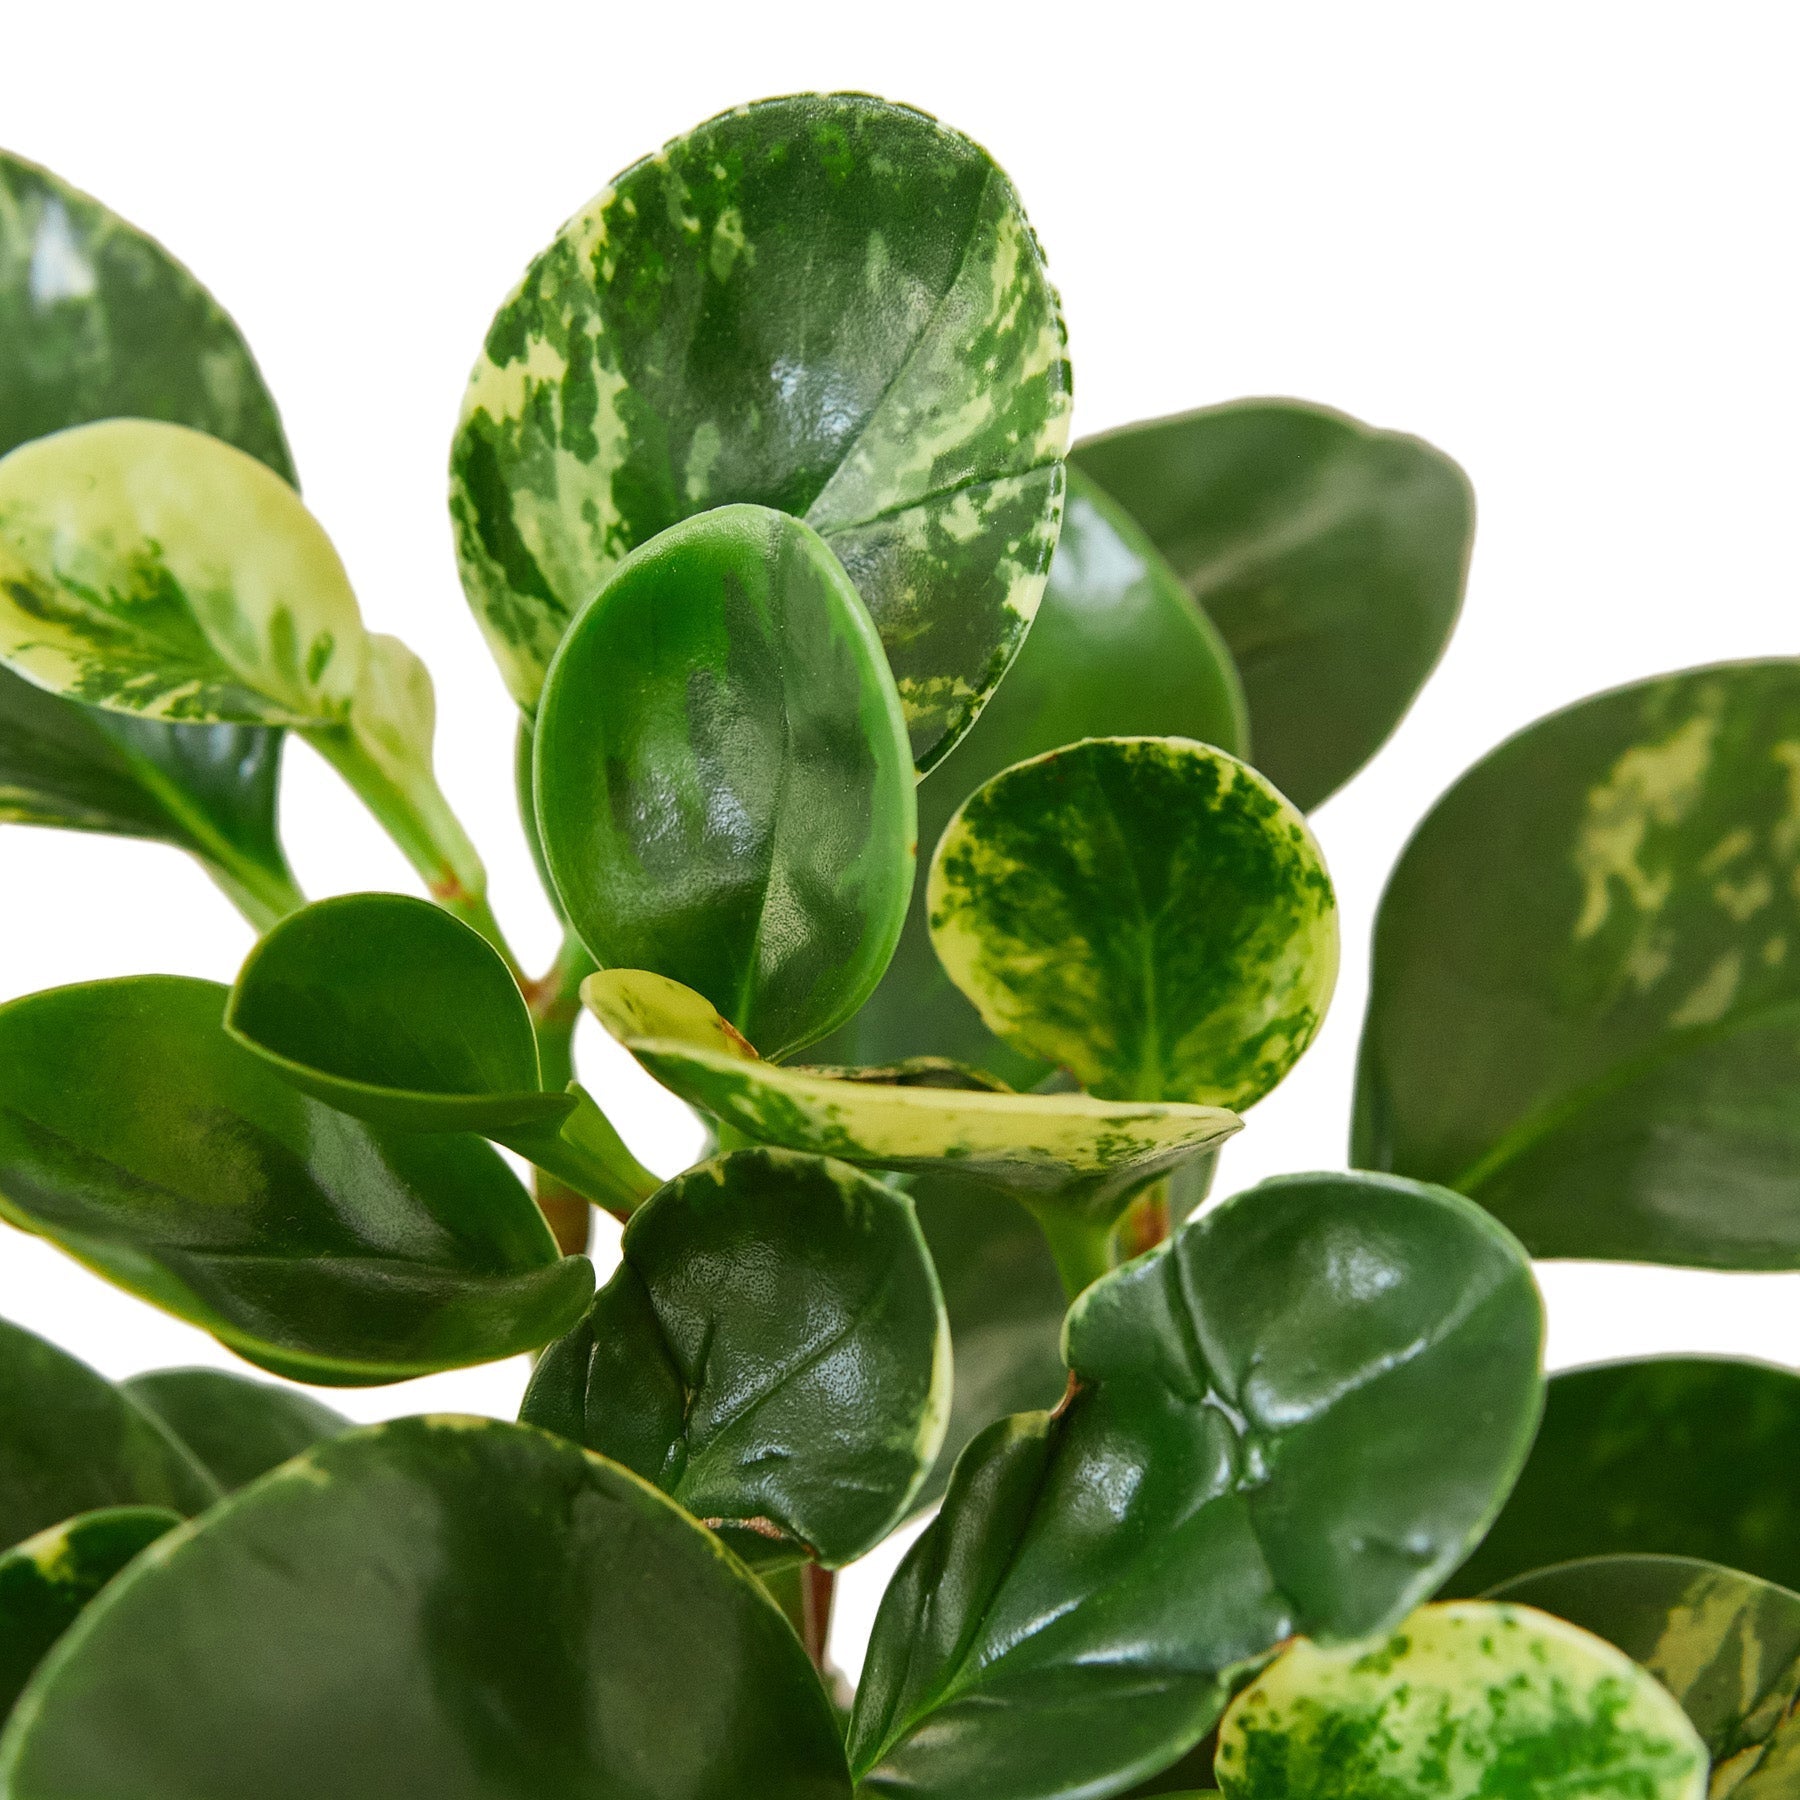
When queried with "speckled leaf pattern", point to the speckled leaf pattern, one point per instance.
{"points": [[1295, 1416], [1726, 1645], [157, 571], [1117, 648], [825, 304], [1331, 556], [236, 1428], [1147, 913], [1471, 1701], [772, 1353], [445, 1605], [1674, 1456], [723, 787], [138, 1137]]}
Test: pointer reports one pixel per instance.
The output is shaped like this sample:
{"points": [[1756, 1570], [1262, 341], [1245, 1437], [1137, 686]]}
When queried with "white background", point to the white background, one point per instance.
{"points": [[1556, 240]]}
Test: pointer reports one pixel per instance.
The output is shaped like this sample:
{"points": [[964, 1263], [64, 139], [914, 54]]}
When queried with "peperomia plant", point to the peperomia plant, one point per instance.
{"points": [[763, 498]]}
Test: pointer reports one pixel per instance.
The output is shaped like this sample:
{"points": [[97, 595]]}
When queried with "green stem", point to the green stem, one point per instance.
{"points": [[262, 895], [585, 1153], [1081, 1246]]}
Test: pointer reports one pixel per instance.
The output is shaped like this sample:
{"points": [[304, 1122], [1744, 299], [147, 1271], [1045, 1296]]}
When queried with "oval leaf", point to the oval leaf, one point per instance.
{"points": [[1147, 913], [825, 304], [1677, 1456], [772, 1353], [1726, 1645], [436, 1606], [1461, 1703], [236, 1428], [1583, 1006], [137, 1136], [1295, 1416], [1332, 558]]}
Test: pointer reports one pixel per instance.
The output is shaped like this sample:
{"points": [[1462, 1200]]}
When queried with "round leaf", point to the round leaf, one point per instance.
{"points": [[1331, 557], [723, 787], [1295, 1416], [1726, 1645], [824, 304], [437, 1606], [1583, 1004], [1147, 913], [236, 1428], [772, 1353], [1677, 1456], [142, 1140], [1463, 1702]]}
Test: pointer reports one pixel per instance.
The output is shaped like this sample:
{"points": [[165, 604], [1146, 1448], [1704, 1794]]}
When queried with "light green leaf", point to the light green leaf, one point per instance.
{"points": [[236, 1428], [1148, 913]]}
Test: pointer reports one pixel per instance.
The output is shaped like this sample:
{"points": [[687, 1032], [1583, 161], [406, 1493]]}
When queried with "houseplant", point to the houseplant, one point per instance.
{"points": [[761, 478]]}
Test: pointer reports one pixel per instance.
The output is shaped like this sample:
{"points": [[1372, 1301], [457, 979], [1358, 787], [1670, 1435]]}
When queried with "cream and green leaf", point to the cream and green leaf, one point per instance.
{"points": [[824, 304]]}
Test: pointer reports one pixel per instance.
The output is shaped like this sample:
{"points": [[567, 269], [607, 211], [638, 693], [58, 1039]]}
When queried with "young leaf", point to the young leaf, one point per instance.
{"points": [[1726, 1645], [723, 786], [1331, 557], [138, 1137], [825, 304], [1463, 1702], [448, 1606], [1148, 913], [1583, 1006], [1117, 648], [1295, 1416], [772, 1353], [236, 1428], [1675, 1456]]}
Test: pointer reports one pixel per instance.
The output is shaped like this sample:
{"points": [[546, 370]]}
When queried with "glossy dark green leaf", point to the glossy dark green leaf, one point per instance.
{"points": [[1294, 1417], [137, 1136], [824, 304], [235, 1427], [772, 1353], [1674, 1456], [444, 1606], [723, 786], [47, 1580], [1331, 557], [1470, 1701], [71, 1442], [1585, 1004], [1147, 913], [1725, 1644], [1117, 649]]}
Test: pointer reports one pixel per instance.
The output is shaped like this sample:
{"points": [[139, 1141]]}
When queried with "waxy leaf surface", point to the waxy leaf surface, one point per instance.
{"points": [[138, 1137], [236, 1428], [1585, 1003], [825, 304], [1725, 1644], [723, 787], [1331, 557], [1147, 913], [1673, 1456], [447, 1606], [1294, 1417], [1471, 1701], [772, 1353]]}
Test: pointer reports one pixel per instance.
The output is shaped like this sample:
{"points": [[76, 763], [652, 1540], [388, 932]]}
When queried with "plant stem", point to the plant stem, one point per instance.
{"points": [[1081, 1246], [1145, 1223], [261, 895], [818, 1589]]}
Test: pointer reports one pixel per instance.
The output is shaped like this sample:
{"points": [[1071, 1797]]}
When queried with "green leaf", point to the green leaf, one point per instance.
{"points": [[71, 1442], [1117, 649], [1726, 1645], [446, 1606], [1463, 1702], [723, 788], [1147, 913], [236, 1428], [772, 1353], [1675, 1456], [1583, 1007], [139, 1138], [1331, 557], [1295, 1416], [825, 304], [154, 570], [46, 1581]]}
